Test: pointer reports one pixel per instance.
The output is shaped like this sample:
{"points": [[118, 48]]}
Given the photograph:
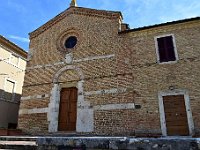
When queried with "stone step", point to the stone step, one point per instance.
{"points": [[95, 142], [18, 145], [122, 143], [18, 138]]}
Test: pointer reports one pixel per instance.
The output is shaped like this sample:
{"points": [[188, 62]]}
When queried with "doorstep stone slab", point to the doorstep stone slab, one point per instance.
{"points": [[22, 143]]}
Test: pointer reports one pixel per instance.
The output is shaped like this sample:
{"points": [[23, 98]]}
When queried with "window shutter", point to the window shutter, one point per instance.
{"points": [[162, 50], [170, 48], [166, 49]]}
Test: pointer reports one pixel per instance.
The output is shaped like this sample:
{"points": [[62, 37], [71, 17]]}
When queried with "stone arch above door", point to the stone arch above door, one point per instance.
{"points": [[66, 68], [84, 124]]}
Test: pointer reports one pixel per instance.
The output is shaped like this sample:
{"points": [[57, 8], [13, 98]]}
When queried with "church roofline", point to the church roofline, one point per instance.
{"points": [[160, 25], [76, 10]]}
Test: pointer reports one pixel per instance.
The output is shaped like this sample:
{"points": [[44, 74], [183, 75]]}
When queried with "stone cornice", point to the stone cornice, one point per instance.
{"points": [[78, 11]]}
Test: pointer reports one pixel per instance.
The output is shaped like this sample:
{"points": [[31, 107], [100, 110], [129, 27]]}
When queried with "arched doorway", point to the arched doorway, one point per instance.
{"points": [[67, 107]]}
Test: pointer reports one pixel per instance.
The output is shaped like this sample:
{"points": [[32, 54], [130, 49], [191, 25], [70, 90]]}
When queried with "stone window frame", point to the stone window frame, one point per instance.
{"points": [[60, 42], [187, 107], [83, 106], [157, 49]]}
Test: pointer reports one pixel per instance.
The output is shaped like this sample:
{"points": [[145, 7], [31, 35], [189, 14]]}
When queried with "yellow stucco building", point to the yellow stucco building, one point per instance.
{"points": [[12, 67]]}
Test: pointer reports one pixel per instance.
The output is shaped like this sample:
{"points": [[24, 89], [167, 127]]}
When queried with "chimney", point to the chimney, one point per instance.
{"points": [[124, 27]]}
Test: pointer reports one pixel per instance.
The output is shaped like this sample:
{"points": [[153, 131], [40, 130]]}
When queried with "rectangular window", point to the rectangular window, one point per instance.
{"points": [[166, 49], [14, 60], [4, 55], [9, 90]]}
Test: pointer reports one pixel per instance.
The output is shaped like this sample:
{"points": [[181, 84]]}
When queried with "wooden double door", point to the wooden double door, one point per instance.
{"points": [[68, 109], [175, 115]]}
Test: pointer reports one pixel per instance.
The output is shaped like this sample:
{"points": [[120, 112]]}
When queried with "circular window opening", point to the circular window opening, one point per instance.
{"points": [[71, 42]]}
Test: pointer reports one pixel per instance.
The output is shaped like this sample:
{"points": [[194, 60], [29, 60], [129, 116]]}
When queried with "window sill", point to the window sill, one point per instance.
{"points": [[169, 62]]}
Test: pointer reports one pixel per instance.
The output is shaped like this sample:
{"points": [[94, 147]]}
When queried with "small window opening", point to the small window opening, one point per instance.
{"points": [[166, 49], [71, 42]]}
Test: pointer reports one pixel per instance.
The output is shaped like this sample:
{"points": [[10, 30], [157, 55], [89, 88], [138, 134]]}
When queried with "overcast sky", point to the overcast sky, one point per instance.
{"points": [[19, 17]]}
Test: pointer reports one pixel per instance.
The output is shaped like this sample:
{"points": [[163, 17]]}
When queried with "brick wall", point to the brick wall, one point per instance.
{"points": [[34, 123], [151, 77], [117, 69]]}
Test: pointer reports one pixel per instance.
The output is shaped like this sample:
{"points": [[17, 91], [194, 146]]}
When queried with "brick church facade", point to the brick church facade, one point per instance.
{"points": [[88, 73]]}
